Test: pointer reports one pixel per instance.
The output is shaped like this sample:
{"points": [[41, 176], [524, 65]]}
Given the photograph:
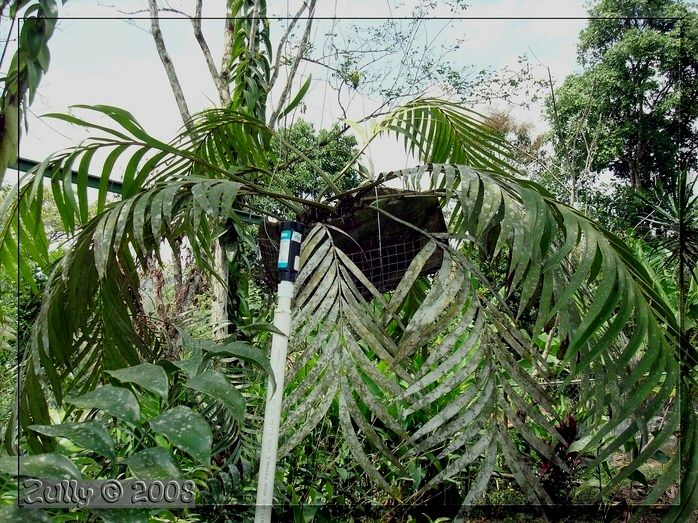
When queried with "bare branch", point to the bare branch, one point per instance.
{"points": [[221, 85], [567, 152], [326, 66], [339, 100], [227, 58], [175, 11], [302, 48], [558, 127], [580, 125], [282, 42], [167, 63], [144, 11], [128, 13], [591, 150]]}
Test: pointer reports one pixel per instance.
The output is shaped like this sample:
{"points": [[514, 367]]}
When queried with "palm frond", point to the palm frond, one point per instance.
{"points": [[219, 144], [522, 265], [437, 131], [334, 327], [91, 318]]}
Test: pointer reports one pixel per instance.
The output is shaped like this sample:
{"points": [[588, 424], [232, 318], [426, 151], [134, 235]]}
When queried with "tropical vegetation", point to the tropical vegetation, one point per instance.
{"points": [[546, 357]]}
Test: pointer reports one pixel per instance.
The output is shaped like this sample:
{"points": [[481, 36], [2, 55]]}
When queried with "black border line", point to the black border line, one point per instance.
{"points": [[426, 18], [20, 21]]}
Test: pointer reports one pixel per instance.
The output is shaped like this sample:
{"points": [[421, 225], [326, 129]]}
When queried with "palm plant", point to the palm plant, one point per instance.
{"points": [[444, 369], [676, 220], [456, 348]]}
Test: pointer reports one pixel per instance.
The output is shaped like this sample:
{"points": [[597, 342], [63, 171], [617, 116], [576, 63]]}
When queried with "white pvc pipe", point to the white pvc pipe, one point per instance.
{"points": [[272, 413]]}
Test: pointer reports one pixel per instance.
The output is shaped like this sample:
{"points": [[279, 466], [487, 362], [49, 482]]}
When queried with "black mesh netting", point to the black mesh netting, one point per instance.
{"points": [[382, 248], [384, 267]]}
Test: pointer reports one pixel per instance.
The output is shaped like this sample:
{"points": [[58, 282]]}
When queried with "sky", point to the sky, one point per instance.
{"points": [[97, 58]]}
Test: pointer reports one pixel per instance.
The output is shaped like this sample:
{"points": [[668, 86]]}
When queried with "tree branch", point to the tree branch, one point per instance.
{"points": [[167, 63], [251, 43], [326, 66], [227, 58], [591, 150], [282, 42], [302, 47], [221, 85]]}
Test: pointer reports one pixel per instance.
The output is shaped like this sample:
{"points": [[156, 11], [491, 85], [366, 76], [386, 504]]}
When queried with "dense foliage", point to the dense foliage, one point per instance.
{"points": [[545, 361], [314, 151], [632, 109]]}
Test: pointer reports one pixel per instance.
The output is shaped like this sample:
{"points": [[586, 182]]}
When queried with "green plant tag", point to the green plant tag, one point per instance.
{"points": [[284, 247]]}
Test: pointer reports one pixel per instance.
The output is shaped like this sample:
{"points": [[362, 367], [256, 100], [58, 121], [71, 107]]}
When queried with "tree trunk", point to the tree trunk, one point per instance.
{"points": [[219, 287], [635, 178]]}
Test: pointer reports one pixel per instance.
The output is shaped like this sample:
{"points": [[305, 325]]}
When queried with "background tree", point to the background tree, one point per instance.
{"points": [[528, 147], [636, 98], [323, 149], [386, 62]]}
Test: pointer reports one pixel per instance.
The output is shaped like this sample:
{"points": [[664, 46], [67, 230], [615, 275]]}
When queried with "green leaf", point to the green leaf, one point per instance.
{"points": [[115, 401], [191, 365], [243, 351], [186, 430], [91, 435], [256, 328], [215, 384], [638, 476], [122, 515], [16, 514], [146, 375], [580, 444], [153, 463], [298, 98], [51, 466], [44, 58]]}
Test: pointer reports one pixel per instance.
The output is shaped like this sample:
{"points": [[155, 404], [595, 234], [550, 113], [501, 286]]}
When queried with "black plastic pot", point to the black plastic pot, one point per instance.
{"points": [[381, 247]]}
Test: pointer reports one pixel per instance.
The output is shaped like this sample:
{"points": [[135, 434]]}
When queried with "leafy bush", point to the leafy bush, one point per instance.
{"points": [[138, 424]]}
